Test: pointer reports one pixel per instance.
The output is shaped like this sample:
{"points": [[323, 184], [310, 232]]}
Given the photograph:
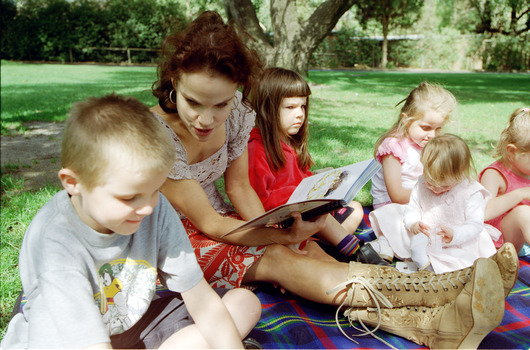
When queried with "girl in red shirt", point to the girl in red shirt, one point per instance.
{"points": [[279, 158]]}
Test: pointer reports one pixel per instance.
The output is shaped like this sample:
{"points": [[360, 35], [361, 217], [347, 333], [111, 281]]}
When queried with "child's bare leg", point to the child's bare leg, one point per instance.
{"points": [[333, 232], [515, 226], [245, 309], [352, 222]]}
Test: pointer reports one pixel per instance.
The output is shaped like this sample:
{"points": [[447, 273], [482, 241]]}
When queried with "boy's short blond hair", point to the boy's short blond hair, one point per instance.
{"points": [[446, 160], [113, 129]]}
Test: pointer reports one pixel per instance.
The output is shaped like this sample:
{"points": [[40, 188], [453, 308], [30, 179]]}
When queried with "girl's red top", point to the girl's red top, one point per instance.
{"points": [[273, 187]]}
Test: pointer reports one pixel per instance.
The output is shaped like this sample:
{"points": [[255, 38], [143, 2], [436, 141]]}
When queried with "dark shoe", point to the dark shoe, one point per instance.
{"points": [[251, 343], [367, 255]]}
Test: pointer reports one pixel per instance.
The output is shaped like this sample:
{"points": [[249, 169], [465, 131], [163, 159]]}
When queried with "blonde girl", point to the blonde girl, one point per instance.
{"points": [[426, 110], [442, 227], [508, 181], [279, 157]]}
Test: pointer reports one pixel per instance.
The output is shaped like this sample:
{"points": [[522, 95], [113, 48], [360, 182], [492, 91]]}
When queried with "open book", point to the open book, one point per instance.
{"points": [[318, 194]]}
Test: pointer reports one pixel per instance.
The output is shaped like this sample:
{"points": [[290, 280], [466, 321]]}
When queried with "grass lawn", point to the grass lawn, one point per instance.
{"points": [[348, 111]]}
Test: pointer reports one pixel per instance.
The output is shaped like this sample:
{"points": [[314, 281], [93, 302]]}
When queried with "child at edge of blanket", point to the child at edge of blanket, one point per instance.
{"points": [[442, 227], [91, 257], [426, 110], [279, 157], [508, 181]]}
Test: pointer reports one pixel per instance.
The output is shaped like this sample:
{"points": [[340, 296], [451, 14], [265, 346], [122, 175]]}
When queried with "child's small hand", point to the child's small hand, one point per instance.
{"points": [[419, 227], [446, 233]]}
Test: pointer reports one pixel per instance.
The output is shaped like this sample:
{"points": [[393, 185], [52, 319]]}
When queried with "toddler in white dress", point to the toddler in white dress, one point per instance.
{"points": [[442, 227]]}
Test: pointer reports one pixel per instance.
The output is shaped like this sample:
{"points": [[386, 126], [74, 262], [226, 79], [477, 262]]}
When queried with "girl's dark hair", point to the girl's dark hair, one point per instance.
{"points": [[206, 44], [275, 85]]}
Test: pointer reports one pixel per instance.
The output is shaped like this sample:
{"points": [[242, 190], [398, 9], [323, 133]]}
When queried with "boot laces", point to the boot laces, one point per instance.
{"points": [[374, 285], [377, 296], [427, 283]]}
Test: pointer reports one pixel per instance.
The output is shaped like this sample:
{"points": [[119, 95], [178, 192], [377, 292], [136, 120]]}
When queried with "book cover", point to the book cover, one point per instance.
{"points": [[318, 194]]}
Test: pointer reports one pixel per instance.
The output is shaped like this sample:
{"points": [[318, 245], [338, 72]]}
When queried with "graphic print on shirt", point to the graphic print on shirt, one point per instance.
{"points": [[126, 289]]}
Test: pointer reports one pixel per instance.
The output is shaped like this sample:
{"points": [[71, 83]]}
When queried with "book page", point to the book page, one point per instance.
{"points": [[336, 183], [279, 214]]}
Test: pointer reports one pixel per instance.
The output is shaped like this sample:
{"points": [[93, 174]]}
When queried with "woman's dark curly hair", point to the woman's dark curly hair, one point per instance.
{"points": [[206, 44]]}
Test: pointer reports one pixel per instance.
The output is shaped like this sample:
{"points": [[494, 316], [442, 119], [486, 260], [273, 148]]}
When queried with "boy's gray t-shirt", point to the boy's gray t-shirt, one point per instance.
{"points": [[65, 266]]}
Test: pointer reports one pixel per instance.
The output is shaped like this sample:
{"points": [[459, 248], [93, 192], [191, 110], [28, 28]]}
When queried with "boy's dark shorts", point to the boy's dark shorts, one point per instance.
{"points": [[164, 317], [342, 214]]}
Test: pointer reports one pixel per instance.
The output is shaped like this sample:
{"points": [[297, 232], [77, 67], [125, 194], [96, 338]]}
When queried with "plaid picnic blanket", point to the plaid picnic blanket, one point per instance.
{"points": [[290, 322]]}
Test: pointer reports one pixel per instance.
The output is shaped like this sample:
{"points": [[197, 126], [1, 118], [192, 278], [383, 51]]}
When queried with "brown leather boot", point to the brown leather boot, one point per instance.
{"points": [[372, 285], [508, 263], [459, 324]]}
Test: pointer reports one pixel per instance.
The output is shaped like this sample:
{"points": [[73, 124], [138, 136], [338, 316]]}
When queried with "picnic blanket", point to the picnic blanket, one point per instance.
{"points": [[290, 322]]}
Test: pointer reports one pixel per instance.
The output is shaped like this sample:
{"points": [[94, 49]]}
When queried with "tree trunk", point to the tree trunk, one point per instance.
{"points": [[293, 40], [384, 48]]}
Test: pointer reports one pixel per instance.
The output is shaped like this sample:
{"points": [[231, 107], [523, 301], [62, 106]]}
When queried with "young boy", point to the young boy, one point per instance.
{"points": [[91, 257]]}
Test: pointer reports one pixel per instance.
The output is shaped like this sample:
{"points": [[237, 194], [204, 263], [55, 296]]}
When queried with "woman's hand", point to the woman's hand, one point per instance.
{"points": [[419, 227], [302, 230]]}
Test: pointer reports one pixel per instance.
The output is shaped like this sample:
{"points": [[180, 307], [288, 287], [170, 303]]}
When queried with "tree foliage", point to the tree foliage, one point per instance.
{"points": [[391, 14], [64, 30], [292, 36], [507, 17]]}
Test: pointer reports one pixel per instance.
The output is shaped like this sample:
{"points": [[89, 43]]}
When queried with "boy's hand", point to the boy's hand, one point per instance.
{"points": [[419, 227], [446, 233]]}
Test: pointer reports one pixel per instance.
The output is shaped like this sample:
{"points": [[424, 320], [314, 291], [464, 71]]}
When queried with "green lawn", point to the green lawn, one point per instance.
{"points": [[348, 111]]}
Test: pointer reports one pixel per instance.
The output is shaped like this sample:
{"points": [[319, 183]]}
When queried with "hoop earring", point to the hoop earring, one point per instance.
{"points": [[170, 100]]}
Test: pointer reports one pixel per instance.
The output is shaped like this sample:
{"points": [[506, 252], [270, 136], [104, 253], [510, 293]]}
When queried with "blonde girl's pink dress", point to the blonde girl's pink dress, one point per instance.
{"points": [[224, 265], [461, 208], [408, 154], [513, 182]]}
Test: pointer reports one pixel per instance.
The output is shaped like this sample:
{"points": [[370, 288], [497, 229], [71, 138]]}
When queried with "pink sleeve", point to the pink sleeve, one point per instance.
{"points": [[394, 147]]}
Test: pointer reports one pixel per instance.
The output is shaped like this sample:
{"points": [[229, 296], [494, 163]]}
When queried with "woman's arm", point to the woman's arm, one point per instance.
{"points": [[238, 189], [394, 185], [500, 202], [190, 199]]}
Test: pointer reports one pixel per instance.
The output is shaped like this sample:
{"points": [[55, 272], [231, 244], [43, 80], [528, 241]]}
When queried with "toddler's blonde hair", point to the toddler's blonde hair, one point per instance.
{"points": [[446, 160], [426, 96], [517, 133], [110, 129]]}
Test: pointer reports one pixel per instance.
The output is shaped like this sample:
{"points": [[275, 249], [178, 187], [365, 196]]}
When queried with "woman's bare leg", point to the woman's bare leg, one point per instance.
{"points": [[303, 275]]}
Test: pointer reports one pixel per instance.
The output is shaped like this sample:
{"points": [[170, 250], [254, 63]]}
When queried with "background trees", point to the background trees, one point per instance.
{"points": [[292, 37], [297, 34], [390, 14]]}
